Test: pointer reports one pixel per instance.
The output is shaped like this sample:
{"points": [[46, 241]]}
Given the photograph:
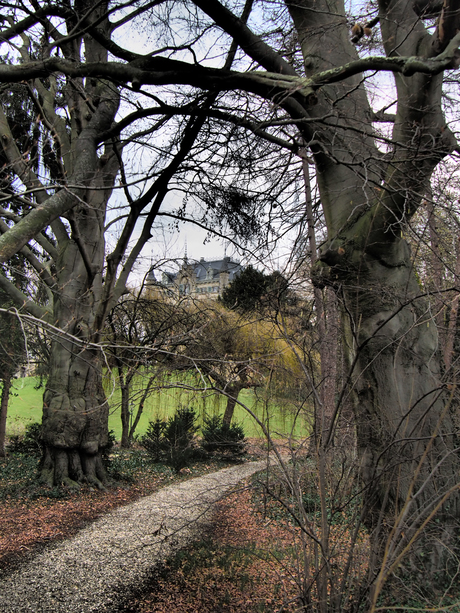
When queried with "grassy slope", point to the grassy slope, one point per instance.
{"points": [[26, 407]]}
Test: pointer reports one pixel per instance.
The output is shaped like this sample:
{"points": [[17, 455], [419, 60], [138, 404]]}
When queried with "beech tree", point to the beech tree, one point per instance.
{"points": [[371, 182], [71, 172]]}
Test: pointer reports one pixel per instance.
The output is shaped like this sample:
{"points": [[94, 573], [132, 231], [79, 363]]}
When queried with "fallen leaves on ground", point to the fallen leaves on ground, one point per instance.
{"points": [[246, 562], [26, 525], [237, 568]]}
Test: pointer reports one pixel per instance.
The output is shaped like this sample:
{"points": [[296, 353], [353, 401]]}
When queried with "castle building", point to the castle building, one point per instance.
{"points": [[199, 279]]}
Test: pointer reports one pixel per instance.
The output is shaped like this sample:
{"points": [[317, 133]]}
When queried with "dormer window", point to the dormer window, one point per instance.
{"points": [[209, 274]]}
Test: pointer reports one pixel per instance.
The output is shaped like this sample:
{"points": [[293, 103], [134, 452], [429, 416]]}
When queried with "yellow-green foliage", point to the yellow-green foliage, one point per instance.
{"points": [[236, 346], [26, 406], [178, 390]]}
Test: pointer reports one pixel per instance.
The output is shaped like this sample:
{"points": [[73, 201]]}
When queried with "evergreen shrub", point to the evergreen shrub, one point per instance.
{"points": [[30, 442], [173, 441], [223, 438]]}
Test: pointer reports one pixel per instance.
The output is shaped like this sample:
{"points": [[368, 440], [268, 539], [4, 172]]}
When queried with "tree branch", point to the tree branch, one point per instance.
{"points": [[42, 271], [163, 71], [76, 236], [21, 299], [51, 10], [64, 200]]}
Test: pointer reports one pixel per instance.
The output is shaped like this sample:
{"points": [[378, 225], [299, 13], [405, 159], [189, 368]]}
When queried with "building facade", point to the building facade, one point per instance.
{"points": [[199, 279]]}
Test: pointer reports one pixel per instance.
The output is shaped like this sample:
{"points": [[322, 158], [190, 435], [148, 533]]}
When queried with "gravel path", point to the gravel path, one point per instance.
{"points": [[99, 567]]}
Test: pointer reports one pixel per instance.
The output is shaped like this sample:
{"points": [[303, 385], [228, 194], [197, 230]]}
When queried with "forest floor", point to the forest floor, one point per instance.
{"points": [[247, 559], [234, 568]]}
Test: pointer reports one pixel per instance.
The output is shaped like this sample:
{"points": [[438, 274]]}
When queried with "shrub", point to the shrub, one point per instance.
{"points": [[154, 441], [223, 438], [30, 442], [180, 433], [172, 441]]}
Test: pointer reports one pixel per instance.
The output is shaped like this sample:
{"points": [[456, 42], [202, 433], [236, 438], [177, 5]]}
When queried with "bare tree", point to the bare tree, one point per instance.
{"points": [[146, 333], [60, 174], [370, 183]]}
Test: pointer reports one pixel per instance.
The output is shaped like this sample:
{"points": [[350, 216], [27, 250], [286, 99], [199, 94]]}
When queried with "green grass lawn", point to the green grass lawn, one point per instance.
{"points": [[26, 407]]}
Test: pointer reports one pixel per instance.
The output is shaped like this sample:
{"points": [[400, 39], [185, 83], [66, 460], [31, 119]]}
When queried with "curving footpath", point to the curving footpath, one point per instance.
{"points": [[98, 569]]}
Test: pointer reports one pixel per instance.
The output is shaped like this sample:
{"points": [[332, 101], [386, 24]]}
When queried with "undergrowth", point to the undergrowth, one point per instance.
{"points": [[19, 480]]}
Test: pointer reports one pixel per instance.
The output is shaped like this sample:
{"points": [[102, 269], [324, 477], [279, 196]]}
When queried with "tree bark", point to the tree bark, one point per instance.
{"points": [[405, 435], [232, 398], [6, 379], [75, 409], [401, 409]]}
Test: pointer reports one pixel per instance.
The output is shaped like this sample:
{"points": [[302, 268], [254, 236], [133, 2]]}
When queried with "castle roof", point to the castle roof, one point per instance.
{"points": [[200, 270], [227, 265]]}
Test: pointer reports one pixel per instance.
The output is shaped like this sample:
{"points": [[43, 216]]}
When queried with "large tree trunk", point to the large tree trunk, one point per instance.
{"points": [[75, 419], [407, 451], [403, 419], [75, 409]]}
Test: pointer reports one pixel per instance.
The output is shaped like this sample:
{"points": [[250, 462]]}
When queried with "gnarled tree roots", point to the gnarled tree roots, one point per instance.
{"points": [[72, 467]]}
